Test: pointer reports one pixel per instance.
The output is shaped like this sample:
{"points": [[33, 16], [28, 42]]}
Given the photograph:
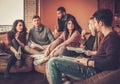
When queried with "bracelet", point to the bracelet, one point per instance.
{"points": [[88, 62]]}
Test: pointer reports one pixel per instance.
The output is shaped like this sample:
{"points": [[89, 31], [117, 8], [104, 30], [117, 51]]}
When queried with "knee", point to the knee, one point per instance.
{"points": [[53, 62]]}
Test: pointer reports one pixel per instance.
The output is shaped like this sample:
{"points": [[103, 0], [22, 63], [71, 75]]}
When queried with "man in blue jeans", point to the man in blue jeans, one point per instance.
{"points": [[107, 57]]}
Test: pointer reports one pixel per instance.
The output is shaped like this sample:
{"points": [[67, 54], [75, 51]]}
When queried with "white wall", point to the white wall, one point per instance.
{"points": [[10, 10]]}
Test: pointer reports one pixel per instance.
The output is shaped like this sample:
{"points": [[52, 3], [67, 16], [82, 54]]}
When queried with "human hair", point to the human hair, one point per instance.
{"points": [[92, 24], [104, 15], [76, 27], [62, 9], [36, 16], [15, 25]]}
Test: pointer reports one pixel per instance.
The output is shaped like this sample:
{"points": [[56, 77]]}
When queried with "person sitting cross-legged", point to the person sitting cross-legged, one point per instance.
{"points": [[70, 37]]}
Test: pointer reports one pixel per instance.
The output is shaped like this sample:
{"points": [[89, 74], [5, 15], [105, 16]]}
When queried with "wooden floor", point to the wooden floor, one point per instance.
{"points": [[24, 78]]}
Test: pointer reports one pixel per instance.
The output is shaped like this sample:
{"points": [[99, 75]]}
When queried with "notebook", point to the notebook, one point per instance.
{"points": [[3, 54]]}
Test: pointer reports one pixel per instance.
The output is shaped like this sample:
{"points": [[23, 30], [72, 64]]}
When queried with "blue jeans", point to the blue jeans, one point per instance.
{"points": [[57, 66]]}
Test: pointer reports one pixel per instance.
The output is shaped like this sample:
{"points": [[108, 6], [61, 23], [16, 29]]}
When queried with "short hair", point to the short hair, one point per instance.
{"points": [[36, 16], [62, 9], [104, 15]]}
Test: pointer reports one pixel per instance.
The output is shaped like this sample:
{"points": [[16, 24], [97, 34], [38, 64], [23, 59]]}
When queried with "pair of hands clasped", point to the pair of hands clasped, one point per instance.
{"points": [[83, 60]]}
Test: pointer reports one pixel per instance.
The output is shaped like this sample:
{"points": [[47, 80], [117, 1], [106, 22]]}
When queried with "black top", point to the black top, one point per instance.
{"points": [[11, 36], [89, 43]]}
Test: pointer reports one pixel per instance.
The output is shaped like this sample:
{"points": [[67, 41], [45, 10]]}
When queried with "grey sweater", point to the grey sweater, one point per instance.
{"points": [[41, 35]]}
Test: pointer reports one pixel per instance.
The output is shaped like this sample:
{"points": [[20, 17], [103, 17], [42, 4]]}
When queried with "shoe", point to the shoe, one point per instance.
{"points": [[39, 61]]}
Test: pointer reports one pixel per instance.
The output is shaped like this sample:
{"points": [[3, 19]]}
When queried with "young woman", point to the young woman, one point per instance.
{"points": [[17, 41], [90, 45], [70, 37]]}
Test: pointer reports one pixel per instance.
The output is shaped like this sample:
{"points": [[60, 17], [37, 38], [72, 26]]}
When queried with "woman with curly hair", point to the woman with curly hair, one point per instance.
{"points": [[17, 41]]}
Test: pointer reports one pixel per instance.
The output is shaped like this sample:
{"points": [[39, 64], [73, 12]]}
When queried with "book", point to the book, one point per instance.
{"points": [[78, 50], [3, 54]]}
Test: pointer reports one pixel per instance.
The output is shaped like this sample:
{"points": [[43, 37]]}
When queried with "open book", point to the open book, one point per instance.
{"points": [[78, 50]]}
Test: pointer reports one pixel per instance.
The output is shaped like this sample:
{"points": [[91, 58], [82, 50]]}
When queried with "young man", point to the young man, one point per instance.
{"points": [[107, 57], [39, 37], [62, 18]]}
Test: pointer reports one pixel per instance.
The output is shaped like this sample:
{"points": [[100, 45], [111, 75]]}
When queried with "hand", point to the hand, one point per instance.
{"points": [[52, 53], [82, 61], [1, 41], [16, 54], [17, 35], [88, 52], [32, 45], [83, 34], [47, 52]]}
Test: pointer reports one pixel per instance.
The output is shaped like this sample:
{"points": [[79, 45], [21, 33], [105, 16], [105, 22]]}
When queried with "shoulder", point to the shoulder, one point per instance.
{"points": [[31, 29], [46, 28], [113, 38], [76, 32], [69, 15]]}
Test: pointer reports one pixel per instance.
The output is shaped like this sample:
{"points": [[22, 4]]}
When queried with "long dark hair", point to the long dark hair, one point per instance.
{"points": [[15, 24], [76, 27]]}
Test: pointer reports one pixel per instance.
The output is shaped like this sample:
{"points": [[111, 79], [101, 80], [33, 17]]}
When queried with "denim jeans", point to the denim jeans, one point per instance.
{"points": [[58, 65]]}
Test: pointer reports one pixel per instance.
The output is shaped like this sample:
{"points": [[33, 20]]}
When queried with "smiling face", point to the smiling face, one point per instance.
{"points": [[19, 27]]}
